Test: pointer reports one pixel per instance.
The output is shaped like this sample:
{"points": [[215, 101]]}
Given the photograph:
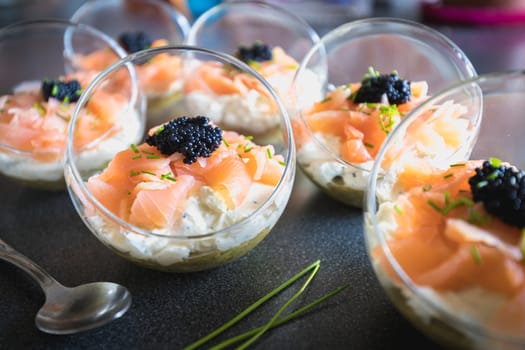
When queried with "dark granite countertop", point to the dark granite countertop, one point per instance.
{"points": [[172, 310]]}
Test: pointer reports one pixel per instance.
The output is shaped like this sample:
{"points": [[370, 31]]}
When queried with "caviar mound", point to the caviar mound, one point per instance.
{"points": [[66, 91], [501, 189], [258, 52], [192, 137], [374, 87], [134, 41]]}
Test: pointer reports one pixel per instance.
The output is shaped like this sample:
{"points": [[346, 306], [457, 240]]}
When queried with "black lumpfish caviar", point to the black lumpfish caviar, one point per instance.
{"points": [[502, 190], [258, 52], [66, 91], [193, 137], [372, 89], [134, 41]]}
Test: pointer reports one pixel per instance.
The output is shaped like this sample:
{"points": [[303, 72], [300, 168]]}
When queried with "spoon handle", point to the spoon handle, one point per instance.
{"points": [[9, 254]]}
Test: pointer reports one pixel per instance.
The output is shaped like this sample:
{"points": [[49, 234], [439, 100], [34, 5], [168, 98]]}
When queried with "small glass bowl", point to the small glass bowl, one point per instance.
{"points": [[33, 136], [458, 312], [156, 18], [228, 26], [162, 24], [340, 60], [186, 246]]}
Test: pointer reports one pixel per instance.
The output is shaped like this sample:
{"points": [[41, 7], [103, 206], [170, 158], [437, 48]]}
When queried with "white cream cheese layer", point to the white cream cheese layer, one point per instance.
{"points": [[203, 213]]}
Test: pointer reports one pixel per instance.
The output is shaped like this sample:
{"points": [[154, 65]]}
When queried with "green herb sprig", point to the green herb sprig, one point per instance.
{"points": [[256, 333]]}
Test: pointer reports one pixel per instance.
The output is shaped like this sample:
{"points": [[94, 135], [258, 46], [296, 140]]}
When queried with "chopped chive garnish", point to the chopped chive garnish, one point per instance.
{"points": [[39, 108], [447, 197], [66, 99], [282, 163], [457, 164], [134, 173], [482, 184], [434, 205], [225, 143], [134, 148], [495, 162], [153, 156], [247, 148], [493, 175], [462, 201], [326, 99], [475, 254], [168, 176], [138, 156], [147, 172], [128, 192], [64, 116], [427, 187], [269, 153], [475, 217], [372, 73], [147, 152], [398, 209], [449, 175], [159, 130], [78, 92], [249, 137], [54, 90], [254, 64], [371, 105], [386, 117], [369, 145]]}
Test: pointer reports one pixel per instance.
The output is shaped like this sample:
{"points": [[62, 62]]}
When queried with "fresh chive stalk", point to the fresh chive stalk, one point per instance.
{"points": [[250, 308], [281, 321], [475, 254], [280, 311]]}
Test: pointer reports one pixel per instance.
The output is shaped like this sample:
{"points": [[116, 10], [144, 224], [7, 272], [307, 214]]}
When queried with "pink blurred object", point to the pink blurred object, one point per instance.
{"points": [[474, 15]]}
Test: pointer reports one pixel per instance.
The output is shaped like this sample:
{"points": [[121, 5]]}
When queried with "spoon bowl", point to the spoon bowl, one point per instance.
{"points": [[71, 310]]}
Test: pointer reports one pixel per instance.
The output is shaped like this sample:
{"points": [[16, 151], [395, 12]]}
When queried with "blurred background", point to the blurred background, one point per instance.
{"points": [[474, 25]]}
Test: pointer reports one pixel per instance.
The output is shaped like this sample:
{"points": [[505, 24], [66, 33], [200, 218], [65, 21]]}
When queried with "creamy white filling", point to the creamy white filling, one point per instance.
{"points": [[154, 95], [249, 113], [203, 213], [324, 169], [30, 169]]}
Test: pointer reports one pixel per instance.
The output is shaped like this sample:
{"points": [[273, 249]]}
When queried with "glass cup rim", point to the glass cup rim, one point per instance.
{"points": [[288, 172], [313, 36], [370, 206], [346, 28], [178, 18], [65, 25]]}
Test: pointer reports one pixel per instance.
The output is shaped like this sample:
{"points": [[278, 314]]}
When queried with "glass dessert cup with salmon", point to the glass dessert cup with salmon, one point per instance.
{"points": [[271, 40], [137, 25], [39, 90], [373, 73], [445, 231], [192, 195]]}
